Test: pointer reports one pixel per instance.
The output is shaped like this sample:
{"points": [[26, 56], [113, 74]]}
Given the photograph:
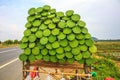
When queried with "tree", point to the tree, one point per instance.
{"points": [[8, 42], [0, 42], [16, 41]]}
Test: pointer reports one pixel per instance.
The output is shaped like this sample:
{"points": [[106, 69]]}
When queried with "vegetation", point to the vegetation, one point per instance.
{"points": [[109, 53], [9, 43], [105, 68]]}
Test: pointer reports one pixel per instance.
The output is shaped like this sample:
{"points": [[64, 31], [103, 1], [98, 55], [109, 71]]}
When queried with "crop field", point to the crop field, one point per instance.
{"points": [[108, 60], [108, 45], [109, 49]]}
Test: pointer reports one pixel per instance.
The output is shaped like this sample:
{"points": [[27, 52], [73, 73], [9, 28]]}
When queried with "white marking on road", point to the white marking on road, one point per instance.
{"points": [[8, 50], [8, 63]]}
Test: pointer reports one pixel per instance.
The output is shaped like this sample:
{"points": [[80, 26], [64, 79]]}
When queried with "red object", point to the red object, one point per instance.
{"points": [[109, 79], [33, 74]]}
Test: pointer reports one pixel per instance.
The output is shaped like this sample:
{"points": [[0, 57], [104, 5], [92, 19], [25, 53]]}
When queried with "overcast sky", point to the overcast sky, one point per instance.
{"points": [[101, 16]]}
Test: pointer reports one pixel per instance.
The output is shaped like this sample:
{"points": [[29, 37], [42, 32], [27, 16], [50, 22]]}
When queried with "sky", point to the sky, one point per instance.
{"points": [[102, 17]]}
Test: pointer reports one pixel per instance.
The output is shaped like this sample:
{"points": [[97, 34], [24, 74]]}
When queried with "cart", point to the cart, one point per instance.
{"points": [[58, 71]]}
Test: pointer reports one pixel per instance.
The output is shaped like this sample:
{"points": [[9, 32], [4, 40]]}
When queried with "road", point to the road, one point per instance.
{"points": [[10, 66]]}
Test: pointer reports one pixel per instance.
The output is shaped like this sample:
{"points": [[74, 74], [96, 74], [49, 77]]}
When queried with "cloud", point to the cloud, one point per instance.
{"points": [[10, 32], [67, 4], [101, 16]]}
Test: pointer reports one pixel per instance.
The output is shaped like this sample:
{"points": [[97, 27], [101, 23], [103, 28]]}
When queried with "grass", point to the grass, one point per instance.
{"points": [[8, 45], [108, 65], [105, 68]]}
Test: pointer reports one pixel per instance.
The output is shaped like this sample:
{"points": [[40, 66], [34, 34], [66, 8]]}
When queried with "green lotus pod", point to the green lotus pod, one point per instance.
{"points": [[76, 30], [61, 24], [78, 57], [69, 55], [24, 39], [46, 7], [55, 31], [83, 47], [52, 52], [52, 38], [53, 11], [43, 18], [32, 38], [70, 60], [31, 18], [60, 50], [40, 46], [59, 14], [51, 16], [67, 30], [86, 54], [36, 23], [61, 36], [67, 48], [73, 43], [51, 26], [39, 9], [37, 16], [44, 40], [34, 29], [89, 42], [43, 27], [46, 58], [69, 13], [44, 51], [31, 11], [63, 42], [71, 37], [48, 46], [46, 32], [23, 45], [39, 56], [60, 56], [23, 57], [89, 61], [62, 61], [35, 51], [27, 51], [84, 30], [87, 36], [31, 58], [44, 14], [39, 34], [56, 19], [70, 23], [65, 18], [76, 51], [28, 25], [75, 17], [93, 49], [27, 32], [53, 59], [82, 61], [81, 23], [81, 41], [31, 45], [55, 44], [79, 36], [48, 21]]}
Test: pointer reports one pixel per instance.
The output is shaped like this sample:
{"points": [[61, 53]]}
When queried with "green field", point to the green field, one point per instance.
{"points": [[107, 62]]}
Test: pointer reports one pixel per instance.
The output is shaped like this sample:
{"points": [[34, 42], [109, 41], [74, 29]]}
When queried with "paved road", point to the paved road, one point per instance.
{"points": [[10, 66]]}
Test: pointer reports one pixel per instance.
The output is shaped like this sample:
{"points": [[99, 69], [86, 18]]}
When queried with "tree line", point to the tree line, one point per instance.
{"points": [[10, 41]]}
